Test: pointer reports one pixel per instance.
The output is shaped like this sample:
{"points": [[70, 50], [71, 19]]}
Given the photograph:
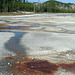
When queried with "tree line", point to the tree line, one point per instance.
{"points": [[15, 5], [23, 5]]}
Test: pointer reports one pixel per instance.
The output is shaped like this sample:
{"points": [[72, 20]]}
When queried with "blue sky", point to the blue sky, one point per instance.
{"points": [[65, 1]]}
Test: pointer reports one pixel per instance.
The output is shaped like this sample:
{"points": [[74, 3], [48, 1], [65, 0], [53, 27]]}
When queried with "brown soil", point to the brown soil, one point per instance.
{"points": [[3, 25]]}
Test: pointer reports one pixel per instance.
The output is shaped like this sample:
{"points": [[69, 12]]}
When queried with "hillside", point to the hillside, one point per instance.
{"points": [[55, 6]]}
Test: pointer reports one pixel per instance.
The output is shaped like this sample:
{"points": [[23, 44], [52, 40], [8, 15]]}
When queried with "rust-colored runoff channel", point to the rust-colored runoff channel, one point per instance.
{"points": [[27, 66], [33, 67], [69, 67]]}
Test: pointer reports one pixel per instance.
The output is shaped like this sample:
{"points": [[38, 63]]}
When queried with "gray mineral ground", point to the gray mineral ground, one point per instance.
{"points": [[45, 36]]}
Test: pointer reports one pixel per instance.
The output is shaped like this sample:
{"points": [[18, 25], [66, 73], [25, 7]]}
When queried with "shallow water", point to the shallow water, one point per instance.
{"points": [[11, 45]]}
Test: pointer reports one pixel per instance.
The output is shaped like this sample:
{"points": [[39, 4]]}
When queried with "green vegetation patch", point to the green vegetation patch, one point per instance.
{"points": [[48, 6]]}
